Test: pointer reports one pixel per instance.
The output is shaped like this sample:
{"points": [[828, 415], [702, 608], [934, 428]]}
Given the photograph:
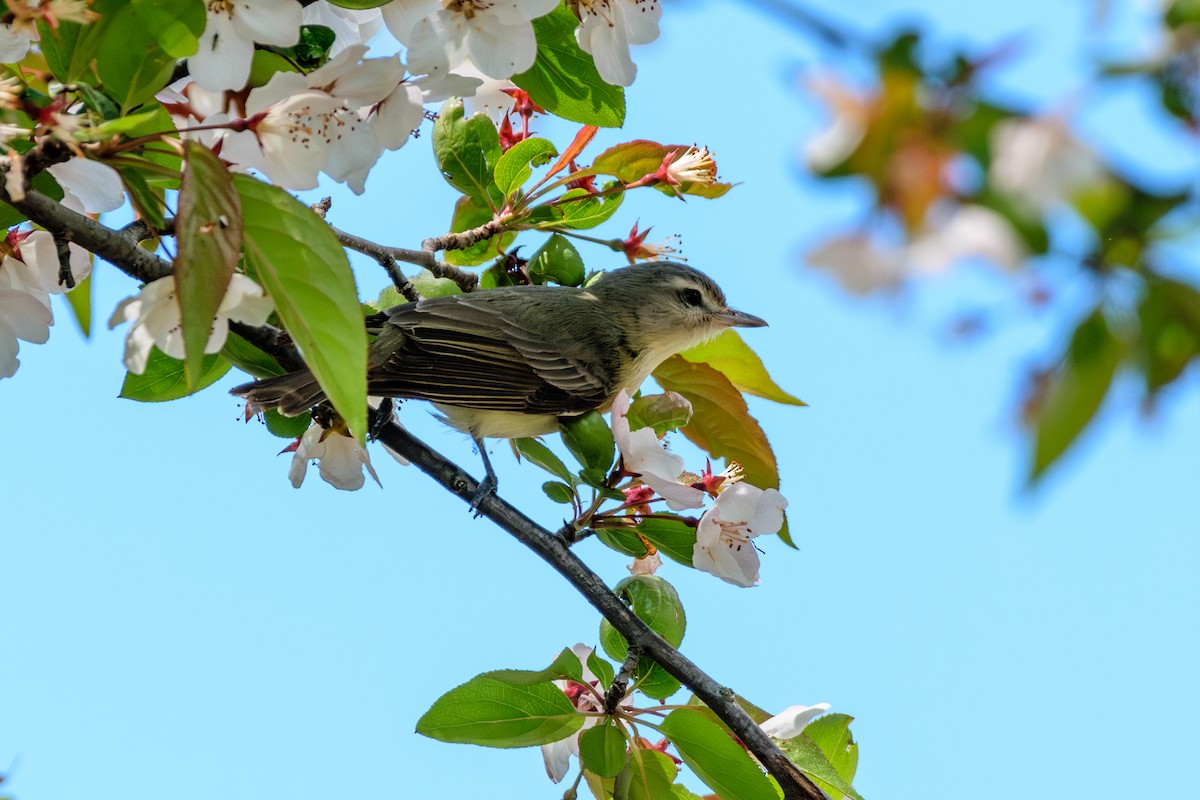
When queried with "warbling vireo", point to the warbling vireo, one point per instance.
{"points": [[513, 361]]}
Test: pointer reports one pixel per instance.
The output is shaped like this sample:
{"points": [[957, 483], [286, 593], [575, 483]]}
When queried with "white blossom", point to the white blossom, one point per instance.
{"points": [[22, 316], [694, 165], [643, 454], [350, 26], [608, 27], [33, 266], [723, 537], [791, 722], [156, 319], [339, 455], [89, 187], [14, 45], [233, 26], [496, 34]]}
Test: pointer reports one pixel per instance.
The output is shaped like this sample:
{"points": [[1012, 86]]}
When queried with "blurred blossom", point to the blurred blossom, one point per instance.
{"points": [[851, 113], [968, 231], [1039, 161], [857, 262]]}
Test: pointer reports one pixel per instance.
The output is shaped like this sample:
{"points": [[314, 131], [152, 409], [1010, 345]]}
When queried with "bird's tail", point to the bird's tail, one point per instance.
{"points": [[291, 394]]}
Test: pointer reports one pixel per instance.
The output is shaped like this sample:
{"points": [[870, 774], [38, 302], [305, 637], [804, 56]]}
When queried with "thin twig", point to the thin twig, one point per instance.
{"points": [[464, 239], [559, 556], [388, 256], [62, 245], [620, 684]]}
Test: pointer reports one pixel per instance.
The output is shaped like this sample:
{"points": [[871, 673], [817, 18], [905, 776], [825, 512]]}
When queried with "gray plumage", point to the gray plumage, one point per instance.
{"points": [[511, 361]]}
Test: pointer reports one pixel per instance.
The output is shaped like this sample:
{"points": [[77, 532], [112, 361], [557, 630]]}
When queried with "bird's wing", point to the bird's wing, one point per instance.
{"points": [[474, 355]]}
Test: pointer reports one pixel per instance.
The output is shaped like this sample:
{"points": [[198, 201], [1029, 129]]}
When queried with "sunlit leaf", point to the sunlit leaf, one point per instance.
{"points": [[163, 379], [647, 775], [295, 256], [557, 260], [516, 166], [466, 151], [731, 356], [493, 713], [603, 749], [717, 759], [209, 234], [1076, 390], [563, 79]]}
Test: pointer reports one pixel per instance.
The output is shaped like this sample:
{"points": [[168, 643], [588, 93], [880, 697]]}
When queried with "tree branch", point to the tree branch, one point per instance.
{"points": [[119, 250], [559, 556]]}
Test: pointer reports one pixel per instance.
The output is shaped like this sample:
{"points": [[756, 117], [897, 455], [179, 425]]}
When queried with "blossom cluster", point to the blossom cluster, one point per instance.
{"points": [[340, 118], [32, 266]]}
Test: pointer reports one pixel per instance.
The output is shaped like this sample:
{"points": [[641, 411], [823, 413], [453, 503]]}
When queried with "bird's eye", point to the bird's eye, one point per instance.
{"points": [[692, 297]]}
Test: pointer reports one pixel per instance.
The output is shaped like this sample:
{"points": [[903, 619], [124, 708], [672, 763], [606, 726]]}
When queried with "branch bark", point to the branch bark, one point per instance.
{"points": [[559, 556]]}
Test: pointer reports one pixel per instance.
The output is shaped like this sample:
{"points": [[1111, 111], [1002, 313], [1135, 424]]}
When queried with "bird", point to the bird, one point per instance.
{"points": [[516, 361]]}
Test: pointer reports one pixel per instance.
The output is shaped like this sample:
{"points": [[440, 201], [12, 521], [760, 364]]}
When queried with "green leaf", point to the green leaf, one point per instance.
{"points": [[566, 666], [623, 540], [249, 358], [466, 151], [579, 209], [79, 300], [646, 776], [675, 540], [590, 440], [295, 256], [666, 411], [630, 161], [70, 49], [1076, 391], [312, 50], [147, 202], [516, 166], [492, 713], [140, 43], [1170, 317], [537, 453], [429, 286], [287, 427], [470, 212], [831, 733], [603, 749], [721, 423], [209, 236], [733, 358], [163, 378], [563, 79], [808, 756], [721, 763], [601, 669], [557, 260], [656, 603], [559, 492]]}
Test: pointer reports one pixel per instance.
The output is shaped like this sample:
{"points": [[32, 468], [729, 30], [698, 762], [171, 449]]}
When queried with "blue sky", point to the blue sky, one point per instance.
{"points": [[179, 622]]}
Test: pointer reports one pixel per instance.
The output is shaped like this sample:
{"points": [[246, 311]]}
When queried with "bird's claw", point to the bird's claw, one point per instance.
{"points": [[486, 488]]}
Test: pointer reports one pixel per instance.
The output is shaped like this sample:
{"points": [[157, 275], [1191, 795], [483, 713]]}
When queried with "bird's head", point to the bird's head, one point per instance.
{"points": [[671, 305]]}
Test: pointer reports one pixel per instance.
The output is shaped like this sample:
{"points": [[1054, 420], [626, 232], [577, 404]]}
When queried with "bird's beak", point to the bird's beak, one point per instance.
{"points": [[740, 319]]}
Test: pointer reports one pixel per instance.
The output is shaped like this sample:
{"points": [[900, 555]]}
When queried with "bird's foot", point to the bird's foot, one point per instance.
{"points": [[487, 488]]}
